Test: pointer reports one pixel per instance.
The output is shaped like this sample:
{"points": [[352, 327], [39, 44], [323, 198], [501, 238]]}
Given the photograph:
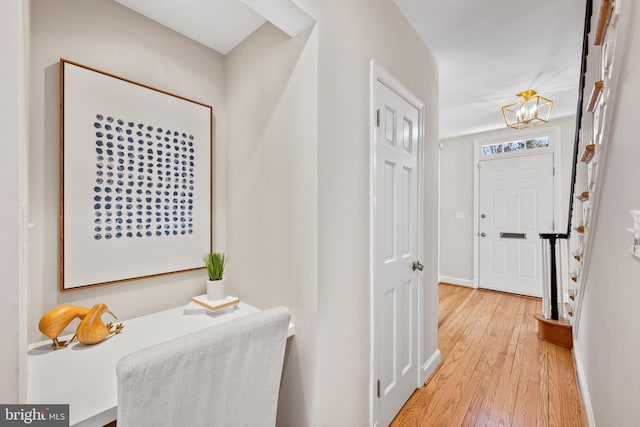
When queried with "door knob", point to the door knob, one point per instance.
{"points": [[417, 266], [483, 234]]}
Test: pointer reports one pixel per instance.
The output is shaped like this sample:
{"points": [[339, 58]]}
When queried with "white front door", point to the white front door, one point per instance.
{"points": [[516, 204], [396, 151]]}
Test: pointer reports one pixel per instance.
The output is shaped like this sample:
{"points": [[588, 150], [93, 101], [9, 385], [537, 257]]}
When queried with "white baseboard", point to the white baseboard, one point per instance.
{"points": [[582, 383], [429, 366], [456, 281]]}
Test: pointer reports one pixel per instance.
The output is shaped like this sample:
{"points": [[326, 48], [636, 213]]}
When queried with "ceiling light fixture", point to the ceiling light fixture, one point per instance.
{"points": [[531, 110]]}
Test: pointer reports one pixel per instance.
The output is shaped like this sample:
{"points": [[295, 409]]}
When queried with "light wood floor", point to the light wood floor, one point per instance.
{"points": [[494, 371]]}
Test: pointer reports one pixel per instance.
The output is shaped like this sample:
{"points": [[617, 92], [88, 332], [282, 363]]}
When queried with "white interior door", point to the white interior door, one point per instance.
{"points": [[516, 204], [396, 241]]}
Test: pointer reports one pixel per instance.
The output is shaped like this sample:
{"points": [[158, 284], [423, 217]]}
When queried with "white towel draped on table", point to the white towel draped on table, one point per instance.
{"points": [[227, 375]]}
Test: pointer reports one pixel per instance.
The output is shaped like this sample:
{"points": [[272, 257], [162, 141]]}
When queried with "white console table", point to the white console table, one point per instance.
{"points": [[84, 376]]}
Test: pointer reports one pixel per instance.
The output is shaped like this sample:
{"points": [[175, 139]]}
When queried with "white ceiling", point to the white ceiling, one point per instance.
{"points": [[490, 50], [487, 50], [221, 24]]}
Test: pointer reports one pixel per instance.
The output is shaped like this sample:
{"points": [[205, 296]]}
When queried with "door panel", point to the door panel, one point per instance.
{"points": [[387, 371], [405, 327], [498, 258], [405, 205], [528, 209], [407, 135], [498, 210], [528, 261], [389, 125], [387, 200], [516, 196], [395, 250]]}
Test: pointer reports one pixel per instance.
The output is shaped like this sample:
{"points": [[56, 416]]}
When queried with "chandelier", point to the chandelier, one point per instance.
{"points": [[531, 110]]}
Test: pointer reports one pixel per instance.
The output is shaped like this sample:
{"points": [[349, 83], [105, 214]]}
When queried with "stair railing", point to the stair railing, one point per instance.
{"points": [[553, 293]]}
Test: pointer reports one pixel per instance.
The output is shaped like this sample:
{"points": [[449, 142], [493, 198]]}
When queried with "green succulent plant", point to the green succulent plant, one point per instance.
{"points": [[215, 263]]}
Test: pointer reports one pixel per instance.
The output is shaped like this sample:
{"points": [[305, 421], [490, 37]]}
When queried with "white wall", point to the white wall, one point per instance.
{"points": [[12, 174], [272, 98], [607, 347], [456, 195], [267, 162], [107, 36], [350, 34]]}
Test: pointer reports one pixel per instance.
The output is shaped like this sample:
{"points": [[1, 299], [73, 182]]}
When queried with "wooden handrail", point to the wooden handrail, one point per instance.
{"points": [[603, 21]]}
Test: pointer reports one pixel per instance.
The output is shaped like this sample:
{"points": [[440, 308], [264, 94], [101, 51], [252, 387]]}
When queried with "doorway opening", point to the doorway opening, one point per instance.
{"points": [[515, 199], [397, 289]]}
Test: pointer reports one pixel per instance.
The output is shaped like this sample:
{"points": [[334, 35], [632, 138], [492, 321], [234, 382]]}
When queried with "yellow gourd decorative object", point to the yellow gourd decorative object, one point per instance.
{"points": [[54, 321], [92, 329]]}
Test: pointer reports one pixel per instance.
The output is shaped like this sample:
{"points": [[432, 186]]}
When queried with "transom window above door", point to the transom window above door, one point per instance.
{"points": [[519, 145]]}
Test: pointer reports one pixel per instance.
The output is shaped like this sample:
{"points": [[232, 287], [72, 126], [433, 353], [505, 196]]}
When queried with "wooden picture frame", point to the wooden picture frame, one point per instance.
{"points": [[136, 183]]}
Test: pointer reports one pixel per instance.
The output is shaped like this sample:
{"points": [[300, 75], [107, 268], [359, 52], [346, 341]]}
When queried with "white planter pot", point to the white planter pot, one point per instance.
{"points": [[215, 290]]}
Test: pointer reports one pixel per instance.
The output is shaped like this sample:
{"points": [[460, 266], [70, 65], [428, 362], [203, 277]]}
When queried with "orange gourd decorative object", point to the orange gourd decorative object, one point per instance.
{"points": [[92, 329], [54, 321]]}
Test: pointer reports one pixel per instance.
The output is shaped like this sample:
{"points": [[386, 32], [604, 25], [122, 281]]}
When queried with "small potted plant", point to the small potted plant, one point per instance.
{"points": [[215, 263]]}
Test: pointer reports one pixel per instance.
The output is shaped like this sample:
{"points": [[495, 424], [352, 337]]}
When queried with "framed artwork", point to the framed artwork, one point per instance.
{"points": [[135, 179]]}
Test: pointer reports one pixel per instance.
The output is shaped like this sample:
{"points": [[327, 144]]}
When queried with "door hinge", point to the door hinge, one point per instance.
{"points": [[554, 171], [378, 118], [378, 388]]}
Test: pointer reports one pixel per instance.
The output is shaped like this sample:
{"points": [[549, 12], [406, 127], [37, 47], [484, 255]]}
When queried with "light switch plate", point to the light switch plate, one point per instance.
{"points": [[459, 215]]}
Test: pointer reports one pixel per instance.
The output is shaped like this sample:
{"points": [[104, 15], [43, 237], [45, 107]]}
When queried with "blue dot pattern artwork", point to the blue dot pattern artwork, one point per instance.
{"points": [[144, 182]]}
